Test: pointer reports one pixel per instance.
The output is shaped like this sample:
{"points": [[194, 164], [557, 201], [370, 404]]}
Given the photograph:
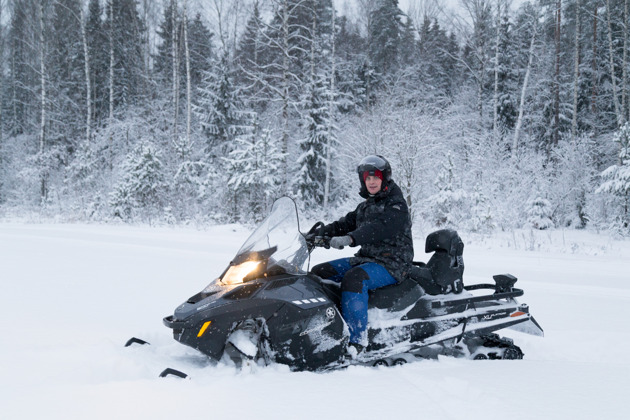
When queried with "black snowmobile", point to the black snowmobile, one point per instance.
{"points": [[265, 308]]}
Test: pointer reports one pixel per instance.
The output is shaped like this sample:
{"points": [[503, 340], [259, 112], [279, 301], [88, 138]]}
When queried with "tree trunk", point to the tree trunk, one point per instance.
{"points": [[624, 88], [188, 88], [556, 88], [576, 69], [519, 121], [331, 113], [175, 63], [618, 111], [1, 84], [88, 83], [285, 97], [111, 64], [43, 99], [111, 82], [495, 123], [594, 66]]}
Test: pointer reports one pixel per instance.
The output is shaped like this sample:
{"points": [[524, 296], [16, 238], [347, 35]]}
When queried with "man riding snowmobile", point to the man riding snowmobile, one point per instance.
{"points": [[381, 226]]}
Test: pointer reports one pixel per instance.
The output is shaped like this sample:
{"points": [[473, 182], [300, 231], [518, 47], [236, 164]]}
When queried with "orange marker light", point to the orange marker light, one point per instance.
{"points": [[204, 328], [518, 313]]}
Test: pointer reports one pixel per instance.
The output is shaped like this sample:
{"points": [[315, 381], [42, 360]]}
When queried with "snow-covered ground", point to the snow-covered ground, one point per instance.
{"points": [[71, 295]]}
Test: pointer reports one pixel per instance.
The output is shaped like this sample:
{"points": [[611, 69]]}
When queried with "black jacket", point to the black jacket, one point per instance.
{"points": [[381, 226]]}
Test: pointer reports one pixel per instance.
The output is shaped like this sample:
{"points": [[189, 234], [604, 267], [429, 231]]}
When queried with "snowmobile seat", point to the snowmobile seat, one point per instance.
{"points": [[445, 269], [395, 297]]}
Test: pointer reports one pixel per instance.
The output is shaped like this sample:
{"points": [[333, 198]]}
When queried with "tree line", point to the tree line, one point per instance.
{"points": [[180, 111]]}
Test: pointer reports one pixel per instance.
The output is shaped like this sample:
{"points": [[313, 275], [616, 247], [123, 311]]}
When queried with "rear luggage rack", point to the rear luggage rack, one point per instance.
{"points": [[503, 289]]}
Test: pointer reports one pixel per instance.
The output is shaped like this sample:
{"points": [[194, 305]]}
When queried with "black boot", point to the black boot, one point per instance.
{"points": [[354, 350]]}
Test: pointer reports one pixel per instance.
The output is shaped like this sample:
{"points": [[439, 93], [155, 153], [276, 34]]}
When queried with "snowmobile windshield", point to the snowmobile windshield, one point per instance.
{"points": [[277, 246]]}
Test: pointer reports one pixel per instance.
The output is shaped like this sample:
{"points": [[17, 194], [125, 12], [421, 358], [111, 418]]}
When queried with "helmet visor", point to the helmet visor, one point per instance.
{"points": [[371, 163]]}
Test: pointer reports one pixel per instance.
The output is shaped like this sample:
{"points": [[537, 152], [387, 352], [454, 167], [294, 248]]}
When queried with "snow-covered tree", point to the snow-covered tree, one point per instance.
{"points": [[141, 188], [311, 163], [481, 215], [255, 173], [219, 110], [539, 213], [617, 177], [447, 204], [385, 35]]}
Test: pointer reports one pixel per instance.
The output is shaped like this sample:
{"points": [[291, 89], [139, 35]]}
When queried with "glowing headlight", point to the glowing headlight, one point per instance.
{"points": [[236, 273]]}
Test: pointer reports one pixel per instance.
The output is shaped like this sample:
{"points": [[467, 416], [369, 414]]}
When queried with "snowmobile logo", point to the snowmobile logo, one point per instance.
{"points": [[330, 313], [317, 328]]}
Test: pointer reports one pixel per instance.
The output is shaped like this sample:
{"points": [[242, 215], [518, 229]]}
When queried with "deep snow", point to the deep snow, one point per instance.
{"points": [[71, 295]]}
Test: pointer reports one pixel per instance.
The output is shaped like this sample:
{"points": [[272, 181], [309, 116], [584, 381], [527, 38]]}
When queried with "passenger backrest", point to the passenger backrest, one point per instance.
{"points": [[447, 262]]}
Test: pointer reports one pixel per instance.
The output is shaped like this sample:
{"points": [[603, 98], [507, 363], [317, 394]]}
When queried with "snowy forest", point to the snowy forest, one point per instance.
{"points": [[496, 116]]}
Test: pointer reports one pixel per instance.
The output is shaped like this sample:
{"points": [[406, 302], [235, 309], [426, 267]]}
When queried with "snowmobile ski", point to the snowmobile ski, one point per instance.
{"points": [[173, 372], [135, 340]]}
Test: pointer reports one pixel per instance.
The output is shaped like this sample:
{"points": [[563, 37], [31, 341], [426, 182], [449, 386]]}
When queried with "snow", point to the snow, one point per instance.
{"points": [[73, 294]]}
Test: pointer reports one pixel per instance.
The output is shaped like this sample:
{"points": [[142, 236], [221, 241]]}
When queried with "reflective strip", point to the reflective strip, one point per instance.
{"points": [[306, 301], [204, 328], [321, 299], [314, 300], [297, 302]]}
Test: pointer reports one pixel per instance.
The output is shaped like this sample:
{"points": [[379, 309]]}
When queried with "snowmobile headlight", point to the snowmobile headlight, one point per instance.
{"points": [[236, 273]]}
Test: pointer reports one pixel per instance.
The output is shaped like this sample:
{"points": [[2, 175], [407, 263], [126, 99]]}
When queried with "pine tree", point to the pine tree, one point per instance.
{"points": [[201, 50], [385, 35], [255, 173], [127, 31], [617, 177], [250, 61], [219, 110], [446, 205], [311, 163], [539, 213], [163, 60], [99, 61], [481, 217], [141, 188], [67, 75]]}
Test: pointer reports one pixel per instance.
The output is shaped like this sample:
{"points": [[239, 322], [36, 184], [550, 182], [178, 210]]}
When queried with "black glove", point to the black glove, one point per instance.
{"points": [[340, 241], [315, 239], [314, 231]]}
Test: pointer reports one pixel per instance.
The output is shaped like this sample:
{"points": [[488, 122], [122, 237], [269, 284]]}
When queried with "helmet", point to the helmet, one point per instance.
{"points": [[374, 164]]}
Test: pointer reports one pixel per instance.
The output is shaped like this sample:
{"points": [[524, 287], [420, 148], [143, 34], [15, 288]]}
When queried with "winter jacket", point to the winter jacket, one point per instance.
{"points": [[381, 226]]}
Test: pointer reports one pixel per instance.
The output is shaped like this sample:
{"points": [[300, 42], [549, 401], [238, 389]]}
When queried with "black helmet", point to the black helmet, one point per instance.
{"points": [[373, 163]]}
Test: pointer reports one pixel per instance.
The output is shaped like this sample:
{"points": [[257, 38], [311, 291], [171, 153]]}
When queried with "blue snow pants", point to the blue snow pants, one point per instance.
{"points": [[355, 283]]}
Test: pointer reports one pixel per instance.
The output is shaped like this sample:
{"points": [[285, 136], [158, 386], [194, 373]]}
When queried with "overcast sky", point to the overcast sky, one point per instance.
{"points": [[452, 5]]}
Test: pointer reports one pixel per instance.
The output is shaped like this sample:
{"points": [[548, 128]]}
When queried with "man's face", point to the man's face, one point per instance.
{"points": [[373, 184]]}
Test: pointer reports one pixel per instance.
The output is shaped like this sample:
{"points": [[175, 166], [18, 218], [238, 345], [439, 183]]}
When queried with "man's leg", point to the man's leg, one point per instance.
{"points": [[332, 270], [354, 296]]}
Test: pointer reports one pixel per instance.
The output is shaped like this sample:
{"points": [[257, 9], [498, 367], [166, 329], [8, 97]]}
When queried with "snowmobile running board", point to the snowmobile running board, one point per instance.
{"points": [[504, 295]]}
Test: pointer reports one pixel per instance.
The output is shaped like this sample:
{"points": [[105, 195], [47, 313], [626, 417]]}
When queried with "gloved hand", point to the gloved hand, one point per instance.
{"points": [[340, 241]]}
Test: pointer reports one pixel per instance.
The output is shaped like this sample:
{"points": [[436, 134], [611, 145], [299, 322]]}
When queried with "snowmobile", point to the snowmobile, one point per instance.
{"points": [[265, 308]]}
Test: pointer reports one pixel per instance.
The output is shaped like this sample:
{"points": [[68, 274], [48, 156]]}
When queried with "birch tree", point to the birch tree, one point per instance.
{"points": [[576, 68], [528, 70], [613, 76], [88, 83], [556, 79], [2, 60], [188, 81], [43, 101], [175, 66]]}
